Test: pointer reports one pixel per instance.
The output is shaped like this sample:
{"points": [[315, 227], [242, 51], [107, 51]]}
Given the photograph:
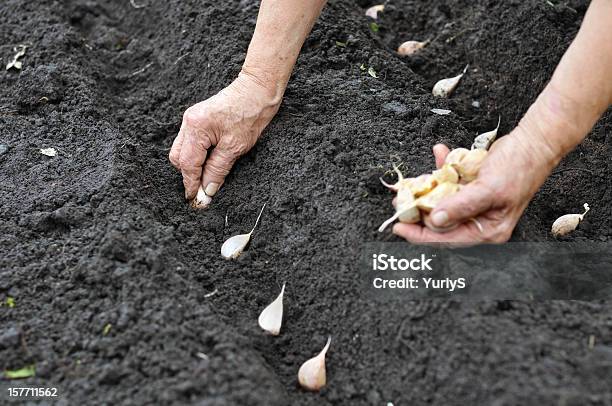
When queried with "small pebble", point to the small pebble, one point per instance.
{"points": [[476, 104], [3, 149]]}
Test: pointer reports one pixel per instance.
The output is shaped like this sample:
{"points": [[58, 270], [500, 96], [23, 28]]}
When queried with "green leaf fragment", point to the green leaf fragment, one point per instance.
{"points": [[107, 329], [372, 72], [340, 44], [10, 302], [362, 67], [25, 372], [374, 27]]}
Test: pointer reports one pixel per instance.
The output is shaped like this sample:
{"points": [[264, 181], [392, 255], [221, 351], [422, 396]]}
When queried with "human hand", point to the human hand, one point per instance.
{"points": [[230, 121], [513, 171]]}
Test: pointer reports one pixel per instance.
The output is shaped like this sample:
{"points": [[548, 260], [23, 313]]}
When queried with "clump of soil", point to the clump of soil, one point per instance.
{"points": [[100, 235]]}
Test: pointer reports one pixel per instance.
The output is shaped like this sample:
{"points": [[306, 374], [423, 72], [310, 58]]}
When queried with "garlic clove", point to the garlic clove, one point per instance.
{"points": [[396, 216], [444, 87], [568, 223], [411, 47], [455, 156], [202, 200], [484, 140], [421, 185], [428, 202], [372, 12], [234, 246], [271, 317], [406, 206], [312, 375], [445, 174], [469, 166]]}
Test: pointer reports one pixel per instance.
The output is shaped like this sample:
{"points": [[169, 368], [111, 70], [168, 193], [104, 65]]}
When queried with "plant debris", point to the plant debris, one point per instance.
{"points": [[441, 112], [48, 152], [25, 372], [15, 63]]}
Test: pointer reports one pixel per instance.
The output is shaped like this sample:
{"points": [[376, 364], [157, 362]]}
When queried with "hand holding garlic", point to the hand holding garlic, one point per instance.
{"points": [[509, 176]]}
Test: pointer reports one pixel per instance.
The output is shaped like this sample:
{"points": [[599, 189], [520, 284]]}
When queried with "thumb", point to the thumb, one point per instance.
{"points": [[468, 203], [440, 152], [218, 165]]}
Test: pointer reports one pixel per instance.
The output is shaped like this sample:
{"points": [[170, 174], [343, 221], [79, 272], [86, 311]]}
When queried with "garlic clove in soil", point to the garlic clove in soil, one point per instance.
{"points": [[372, 12], [444, 87], [271, 317], [312, 375], [411, 47], [202, 200], [233, 246], [568, 223], [484, 140]]}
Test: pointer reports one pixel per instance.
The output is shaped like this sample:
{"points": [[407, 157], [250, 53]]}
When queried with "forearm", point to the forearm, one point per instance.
{"points": [[580, 90], [282, 26]]}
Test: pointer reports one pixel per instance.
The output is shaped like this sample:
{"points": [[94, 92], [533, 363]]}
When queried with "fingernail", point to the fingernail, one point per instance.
{"points": [[212, 189], [439, 218]]}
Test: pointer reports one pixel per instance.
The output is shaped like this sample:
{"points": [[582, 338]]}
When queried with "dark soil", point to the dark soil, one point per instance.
{"points": [[101, 235]]}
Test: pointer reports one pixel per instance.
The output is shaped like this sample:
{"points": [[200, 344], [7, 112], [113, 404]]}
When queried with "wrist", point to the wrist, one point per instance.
{"points": [[271, 85]]}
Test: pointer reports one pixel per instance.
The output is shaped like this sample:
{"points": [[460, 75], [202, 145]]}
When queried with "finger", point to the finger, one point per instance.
{"points": [[440, 152], [218, 165], [468, 203], [175, 151], [394, 202], [466, 234], [192, 157]]}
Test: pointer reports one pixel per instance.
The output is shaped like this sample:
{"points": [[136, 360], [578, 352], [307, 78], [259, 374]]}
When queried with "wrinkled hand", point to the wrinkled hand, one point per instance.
{"points": [[231, 121], [513, 171]]}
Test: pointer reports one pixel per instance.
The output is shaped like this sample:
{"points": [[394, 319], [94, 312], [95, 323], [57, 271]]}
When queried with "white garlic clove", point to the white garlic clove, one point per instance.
{"points": [[372, 12], [428, 202], [396, 216], [455, 156], [271, 318], [233, 246], [484, 140], [411, 47], [202, 200], [444, 87], [406, 206], [312, 375], [469, 166], [568, 223], [445, 174]]}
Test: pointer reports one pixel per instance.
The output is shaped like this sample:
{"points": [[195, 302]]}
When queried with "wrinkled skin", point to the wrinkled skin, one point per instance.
{"points": [[217, 131], [513, 171]]}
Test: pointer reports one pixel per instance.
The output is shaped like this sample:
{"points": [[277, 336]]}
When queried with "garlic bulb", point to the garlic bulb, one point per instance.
{"points": [[568, 223], [444, 87], [202, 200], [484, 140], [233, 246], [372, 12], [411, 47], [312, 374], [271, 317]]}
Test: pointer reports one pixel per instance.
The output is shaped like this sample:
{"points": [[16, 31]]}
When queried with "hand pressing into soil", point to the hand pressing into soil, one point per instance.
{"points": [[217, 131]]}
